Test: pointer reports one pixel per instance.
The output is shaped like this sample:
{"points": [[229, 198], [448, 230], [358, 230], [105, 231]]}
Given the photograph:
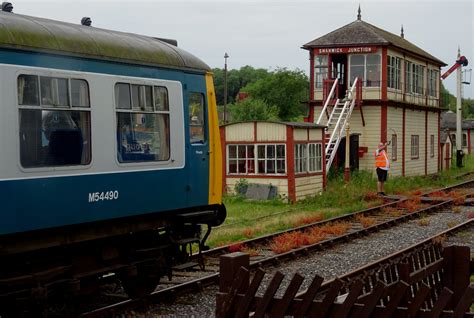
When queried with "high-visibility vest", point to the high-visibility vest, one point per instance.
{"points": [[381, 160]]}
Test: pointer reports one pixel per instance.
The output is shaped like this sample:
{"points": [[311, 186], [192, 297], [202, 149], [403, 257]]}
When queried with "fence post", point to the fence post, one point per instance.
{"points": [[456, 271], [229, 265]]}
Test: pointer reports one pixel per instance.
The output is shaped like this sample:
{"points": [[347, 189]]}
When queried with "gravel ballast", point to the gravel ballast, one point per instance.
{"points": [[332, 263]]}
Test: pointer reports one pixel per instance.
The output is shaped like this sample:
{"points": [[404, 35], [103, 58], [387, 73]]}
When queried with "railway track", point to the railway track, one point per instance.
{"points": [[189, 278]]}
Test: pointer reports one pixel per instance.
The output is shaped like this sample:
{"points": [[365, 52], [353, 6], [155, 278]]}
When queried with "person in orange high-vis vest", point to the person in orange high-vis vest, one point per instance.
{"points": [[382, 165]]}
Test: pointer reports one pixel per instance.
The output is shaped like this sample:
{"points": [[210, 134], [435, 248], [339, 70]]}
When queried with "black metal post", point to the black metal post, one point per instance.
{"points": [[225, 87]]}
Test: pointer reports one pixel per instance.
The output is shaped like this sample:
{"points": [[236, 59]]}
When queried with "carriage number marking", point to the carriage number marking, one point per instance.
{"points": [[103, 196]]}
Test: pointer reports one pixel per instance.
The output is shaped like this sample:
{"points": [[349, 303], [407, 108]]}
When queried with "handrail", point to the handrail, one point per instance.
{"points": [[332, 113], [327, 100], [350, 98]]}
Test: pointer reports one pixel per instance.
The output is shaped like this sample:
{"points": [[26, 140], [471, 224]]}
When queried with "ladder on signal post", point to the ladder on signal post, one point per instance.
{"points": [[338, 119]]}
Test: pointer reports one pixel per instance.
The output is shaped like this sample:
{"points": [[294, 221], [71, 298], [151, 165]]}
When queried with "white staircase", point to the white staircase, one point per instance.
{"points": [[338, 119]]}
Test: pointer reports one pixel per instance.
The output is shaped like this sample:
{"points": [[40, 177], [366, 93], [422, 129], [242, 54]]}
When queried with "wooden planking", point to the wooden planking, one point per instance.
{"points": [[280, 184], [240, 132], [370, 134], [415, 125], [433, 130], [395, 125], [270, 132], [301, 134], [308, 186], [316, 134]]}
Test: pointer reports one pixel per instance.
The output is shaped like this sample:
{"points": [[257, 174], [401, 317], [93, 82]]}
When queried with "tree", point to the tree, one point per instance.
{"points": [[236, 79], [283, 88], [252, 109]]}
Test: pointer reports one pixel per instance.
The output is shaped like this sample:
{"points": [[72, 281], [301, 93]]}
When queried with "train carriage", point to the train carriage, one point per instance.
{"points": [[109, 147]]}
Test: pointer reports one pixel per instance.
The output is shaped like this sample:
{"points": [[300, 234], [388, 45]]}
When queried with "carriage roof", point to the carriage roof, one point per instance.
{"points": [[49, 36]]}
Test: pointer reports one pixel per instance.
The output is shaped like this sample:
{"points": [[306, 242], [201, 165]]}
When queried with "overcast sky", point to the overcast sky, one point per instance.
{"points": [[269, 34]]}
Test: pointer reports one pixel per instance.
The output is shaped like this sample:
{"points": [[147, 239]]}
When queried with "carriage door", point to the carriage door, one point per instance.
{"points": [[339, 64], [198, 150]]}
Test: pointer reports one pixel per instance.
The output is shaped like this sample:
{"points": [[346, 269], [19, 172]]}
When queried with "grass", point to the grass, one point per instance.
{"points": [[247, 219]]}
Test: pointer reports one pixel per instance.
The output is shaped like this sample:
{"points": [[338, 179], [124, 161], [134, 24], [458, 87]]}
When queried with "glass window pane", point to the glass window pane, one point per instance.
{"points": [[241, 166], [373, 76], [261, 166], [232, 166], [196, 118], [148, 98], [281, 166], [242, 152], [80, 93], [136, 104], [357, 59], [250, 151], [143, 137], [28, 91], [261, 151], [373, 59], [270, 151], [63, 91], [54, 138], [232, 152], [280, 151], [122, 96], [271, 166], [161, 99], [321, 60], [46, 84]]}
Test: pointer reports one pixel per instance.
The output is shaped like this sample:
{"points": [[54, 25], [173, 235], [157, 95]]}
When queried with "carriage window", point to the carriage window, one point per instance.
{"points": [[49, 136], [80, 93], [142, 133], [28, 92], [196, 118]]}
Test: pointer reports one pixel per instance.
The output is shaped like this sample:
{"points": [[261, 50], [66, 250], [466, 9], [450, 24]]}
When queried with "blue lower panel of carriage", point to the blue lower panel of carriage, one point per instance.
{"points": [[32, 204]]}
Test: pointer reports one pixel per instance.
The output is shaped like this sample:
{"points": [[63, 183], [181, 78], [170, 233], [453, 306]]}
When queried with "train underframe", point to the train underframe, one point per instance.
{"points": [[63, 265]]}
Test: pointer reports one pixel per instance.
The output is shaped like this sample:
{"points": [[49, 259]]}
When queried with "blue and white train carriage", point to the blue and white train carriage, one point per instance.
{"points": [[109, 146]]}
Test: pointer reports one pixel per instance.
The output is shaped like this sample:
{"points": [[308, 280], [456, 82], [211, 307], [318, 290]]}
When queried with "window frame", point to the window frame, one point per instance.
{"points": [[141, 111], [323, 71], [415, 147], [394, 72], [394, 147], [60, 108], [432, 142], [307, 158], [204, 120], [256, 159], [378, 83]]}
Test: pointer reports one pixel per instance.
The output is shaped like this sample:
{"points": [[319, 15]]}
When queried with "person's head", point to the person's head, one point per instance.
{"points": [[382, 146]]}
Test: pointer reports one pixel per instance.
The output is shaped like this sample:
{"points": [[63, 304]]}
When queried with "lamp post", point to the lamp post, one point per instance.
{"points": [[226, 56]]}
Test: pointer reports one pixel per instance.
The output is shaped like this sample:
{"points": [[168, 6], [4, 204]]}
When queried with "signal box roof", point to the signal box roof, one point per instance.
{"points": [[360, 33], [27, 33]]}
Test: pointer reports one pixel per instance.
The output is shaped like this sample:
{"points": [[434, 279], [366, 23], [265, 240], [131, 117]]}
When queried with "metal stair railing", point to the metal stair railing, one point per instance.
{"points": [[342, 120], [331, 93]]}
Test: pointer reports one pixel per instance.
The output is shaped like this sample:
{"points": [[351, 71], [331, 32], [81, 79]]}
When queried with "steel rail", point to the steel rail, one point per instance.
{"points": [[199, 283]]}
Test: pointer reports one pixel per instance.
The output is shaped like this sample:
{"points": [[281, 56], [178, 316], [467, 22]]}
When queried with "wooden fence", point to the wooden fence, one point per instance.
{"points": [[429, 282]]}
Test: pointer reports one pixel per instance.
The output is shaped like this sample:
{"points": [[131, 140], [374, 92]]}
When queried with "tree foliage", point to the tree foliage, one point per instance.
{"points": [[447, 100], [286, 89], [236, 79], [252, 109]]}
